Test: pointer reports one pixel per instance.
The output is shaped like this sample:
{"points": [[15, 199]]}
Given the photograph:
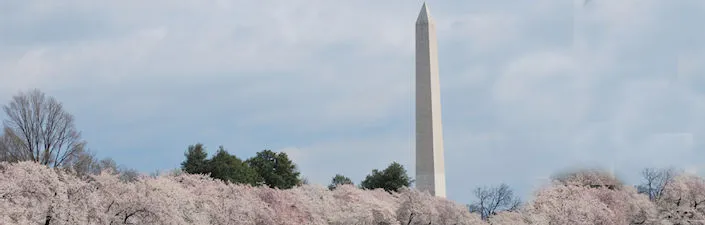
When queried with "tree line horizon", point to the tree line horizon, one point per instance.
{"points": [[36, 128]]}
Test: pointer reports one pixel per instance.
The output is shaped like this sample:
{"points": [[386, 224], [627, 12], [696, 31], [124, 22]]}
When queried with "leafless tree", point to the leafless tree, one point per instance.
{"points": [[4, 150], [491, 200], [129, 175], [655, 181], [9, 142], [108, 163], [37, 128], [85, 164]]}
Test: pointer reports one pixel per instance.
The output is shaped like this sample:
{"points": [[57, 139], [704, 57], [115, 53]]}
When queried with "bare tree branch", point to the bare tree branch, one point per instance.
{"points": [[493, 200], [655, 181], [8, 142], [38, 129]]}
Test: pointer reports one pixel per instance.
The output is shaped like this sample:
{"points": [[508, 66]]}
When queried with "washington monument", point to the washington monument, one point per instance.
{"points": [[430, 171]]}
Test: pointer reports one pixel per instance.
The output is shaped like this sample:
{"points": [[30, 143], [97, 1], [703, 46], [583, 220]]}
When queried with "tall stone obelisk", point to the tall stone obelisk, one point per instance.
{"points": [[430, 171]]}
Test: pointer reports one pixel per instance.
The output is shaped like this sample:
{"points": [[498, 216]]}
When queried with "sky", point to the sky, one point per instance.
{"points": [[529, 88]]}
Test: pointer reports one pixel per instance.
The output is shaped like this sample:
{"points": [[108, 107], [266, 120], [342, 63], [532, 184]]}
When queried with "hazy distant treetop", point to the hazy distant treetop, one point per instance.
{"points": [[339, 179], [589, 178]]}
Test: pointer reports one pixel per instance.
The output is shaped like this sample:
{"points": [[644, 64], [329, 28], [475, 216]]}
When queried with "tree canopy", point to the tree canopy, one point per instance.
{"points": [[339, 179], [37, 128], [230, 168], [196, 161], [222, 166], [392, 178], [276, 170]]}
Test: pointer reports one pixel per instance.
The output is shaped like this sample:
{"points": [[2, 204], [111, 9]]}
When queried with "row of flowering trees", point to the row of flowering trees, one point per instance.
{"points": [[49, 177], [31, 193]]}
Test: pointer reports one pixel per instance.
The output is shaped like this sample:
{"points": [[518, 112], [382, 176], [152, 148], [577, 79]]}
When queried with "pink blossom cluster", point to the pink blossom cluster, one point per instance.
{"points": [[34, 194]]}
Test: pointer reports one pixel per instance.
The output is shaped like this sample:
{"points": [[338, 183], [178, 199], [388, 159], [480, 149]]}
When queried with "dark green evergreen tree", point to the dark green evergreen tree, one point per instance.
{"points": [[230, 168], [339, 180], [275, 169], [195, 162], [390, 179]]}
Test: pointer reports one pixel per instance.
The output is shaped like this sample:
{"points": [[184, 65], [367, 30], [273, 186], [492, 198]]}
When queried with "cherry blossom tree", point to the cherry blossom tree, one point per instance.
{"points": [[421, 208], [416, 208], [512, 218], [561, 204], [683, 201], [576, 203], [32, 193], [588, 178], [358, 206]]}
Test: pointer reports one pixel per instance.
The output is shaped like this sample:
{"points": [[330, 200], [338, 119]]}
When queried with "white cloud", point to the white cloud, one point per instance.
{"points": [[536, 85], [488, 31]]}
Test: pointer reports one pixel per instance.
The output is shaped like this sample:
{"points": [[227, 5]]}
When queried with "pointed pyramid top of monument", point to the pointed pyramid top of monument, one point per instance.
{"points": [[424, 15]]}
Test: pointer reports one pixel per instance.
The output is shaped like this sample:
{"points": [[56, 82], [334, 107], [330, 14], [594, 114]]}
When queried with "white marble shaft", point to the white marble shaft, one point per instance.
{"points": [[430, 171]]}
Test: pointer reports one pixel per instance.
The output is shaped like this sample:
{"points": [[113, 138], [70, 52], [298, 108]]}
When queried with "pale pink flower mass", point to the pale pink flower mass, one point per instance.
{"points": [[35, 194]]}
